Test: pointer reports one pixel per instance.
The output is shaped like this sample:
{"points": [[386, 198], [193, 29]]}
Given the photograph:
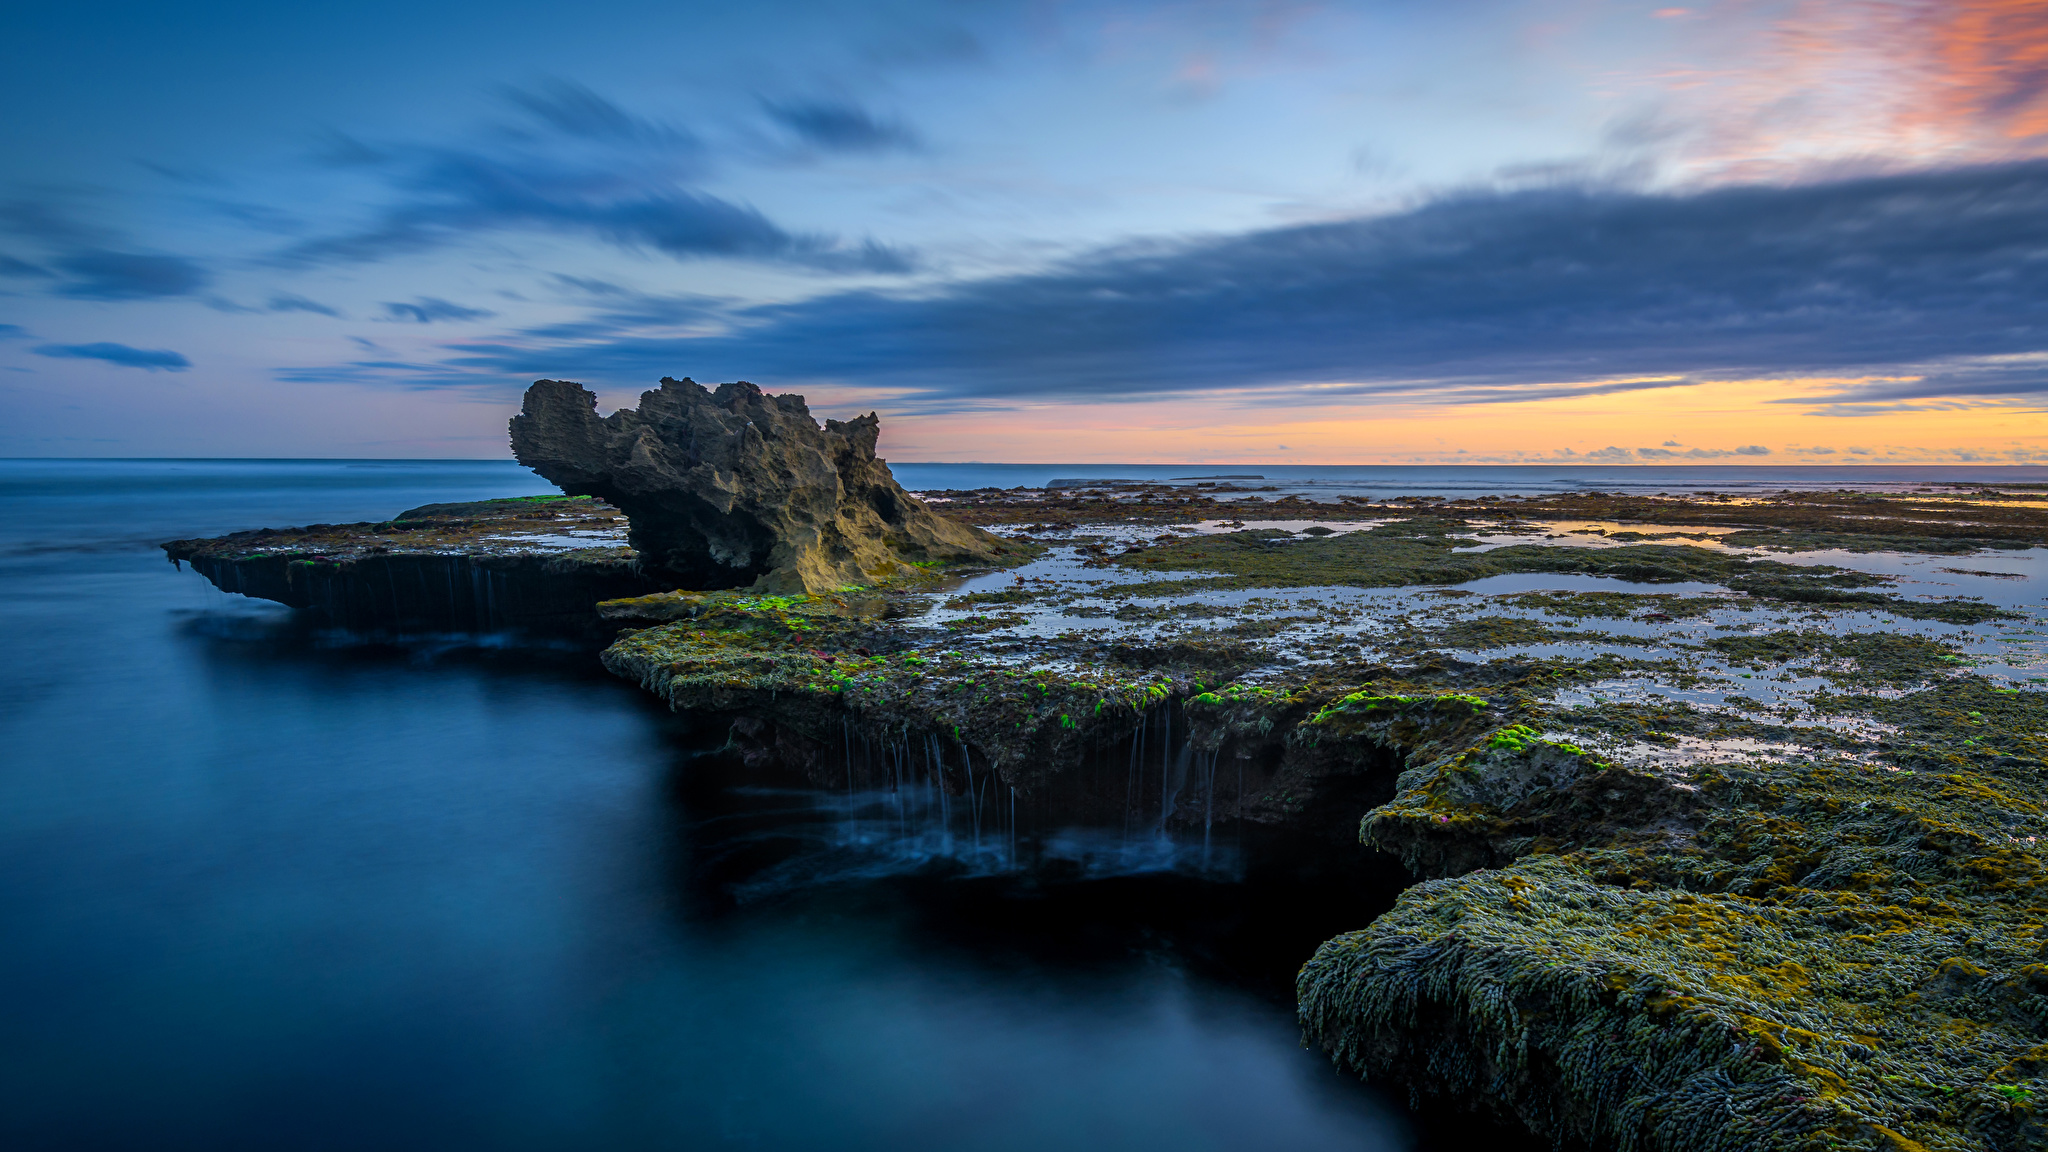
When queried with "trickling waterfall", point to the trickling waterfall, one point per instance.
{"points": [[896, 812]]}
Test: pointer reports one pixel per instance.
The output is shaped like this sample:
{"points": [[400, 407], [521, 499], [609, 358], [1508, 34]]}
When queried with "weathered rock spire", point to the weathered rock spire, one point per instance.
{"points": [[738, 487]]}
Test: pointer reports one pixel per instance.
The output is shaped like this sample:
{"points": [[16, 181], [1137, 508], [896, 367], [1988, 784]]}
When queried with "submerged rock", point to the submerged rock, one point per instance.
{"points": [[737, 487]]}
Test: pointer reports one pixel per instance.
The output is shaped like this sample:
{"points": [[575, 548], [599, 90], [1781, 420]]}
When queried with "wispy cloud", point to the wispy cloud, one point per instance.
{"points": [[151, 359], [91, 262], [1963, 382], [289, 302], [427, 309], [1863, 81], [577, 164], [841, 126], [1702, 453], [105, 275], [22, 269]]}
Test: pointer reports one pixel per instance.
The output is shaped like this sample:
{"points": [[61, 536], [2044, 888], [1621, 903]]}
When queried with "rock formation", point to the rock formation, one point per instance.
{"points": [[737, 487]]}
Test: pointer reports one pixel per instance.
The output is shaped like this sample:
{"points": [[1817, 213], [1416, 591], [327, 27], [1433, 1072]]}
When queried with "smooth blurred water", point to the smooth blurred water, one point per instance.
{"points": [[266, 889]]}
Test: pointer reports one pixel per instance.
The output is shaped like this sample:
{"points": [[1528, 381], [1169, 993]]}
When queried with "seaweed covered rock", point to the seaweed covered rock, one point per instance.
{"points": [[827, 685], [1518, 792], [737, 487], [1811, 951]]}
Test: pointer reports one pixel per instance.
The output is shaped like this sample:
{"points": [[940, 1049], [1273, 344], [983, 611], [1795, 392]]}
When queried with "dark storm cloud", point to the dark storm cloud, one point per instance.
{"points": [[579, 165], [841, 126], [427, 309], [1473, 298], [152, 359]]}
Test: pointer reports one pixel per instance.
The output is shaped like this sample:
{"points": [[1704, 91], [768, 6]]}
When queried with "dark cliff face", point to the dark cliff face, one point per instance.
{"points": [[737, 487]]}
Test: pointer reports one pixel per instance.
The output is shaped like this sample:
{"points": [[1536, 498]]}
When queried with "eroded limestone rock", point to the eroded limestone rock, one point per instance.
{"points": [[736, 487]]}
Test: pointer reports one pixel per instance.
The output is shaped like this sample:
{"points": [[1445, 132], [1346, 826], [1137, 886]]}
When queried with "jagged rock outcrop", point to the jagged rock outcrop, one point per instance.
{"points": [[737, 487]]}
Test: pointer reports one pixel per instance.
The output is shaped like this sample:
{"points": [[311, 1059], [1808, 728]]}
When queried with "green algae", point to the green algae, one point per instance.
{"points": [[501, 507], [1816, 953], [1775, 540], [1424, 551], [1857, 658], [811, 662]]}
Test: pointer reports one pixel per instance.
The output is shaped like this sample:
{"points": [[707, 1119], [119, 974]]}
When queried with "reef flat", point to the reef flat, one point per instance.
{"points": [[537, 564], [1726, 814]]}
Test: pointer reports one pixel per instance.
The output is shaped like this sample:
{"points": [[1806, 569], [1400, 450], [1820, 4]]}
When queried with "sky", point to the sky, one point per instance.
{"points": [[1486, 231]]}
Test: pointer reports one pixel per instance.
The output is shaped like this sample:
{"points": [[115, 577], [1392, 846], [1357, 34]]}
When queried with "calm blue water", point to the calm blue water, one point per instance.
{"points": [[263, 889]]}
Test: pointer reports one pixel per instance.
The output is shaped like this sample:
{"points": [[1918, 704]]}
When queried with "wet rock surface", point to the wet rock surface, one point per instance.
{"points": [[1720, 845], [533, 564], [736, 487]]}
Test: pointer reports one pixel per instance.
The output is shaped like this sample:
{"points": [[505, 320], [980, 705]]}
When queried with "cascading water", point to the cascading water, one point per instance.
{"points": [[898, 811]]}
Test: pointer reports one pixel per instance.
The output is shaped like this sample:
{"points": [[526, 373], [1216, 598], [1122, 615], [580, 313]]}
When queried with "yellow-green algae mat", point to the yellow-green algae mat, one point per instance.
{"points": [[1839, 955]]}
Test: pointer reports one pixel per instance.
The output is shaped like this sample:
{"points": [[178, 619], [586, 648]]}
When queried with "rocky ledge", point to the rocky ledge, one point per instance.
{"points": [[537, 564]]}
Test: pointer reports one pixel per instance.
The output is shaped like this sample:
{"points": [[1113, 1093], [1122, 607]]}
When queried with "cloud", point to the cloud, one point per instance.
{"points": [[287, 302], [151, 359], [586, 285], [89, 256], [2018, 381], [1472, 298], [574, 110], [1981, 61], [578, 164], [841, 126], [48, 223], [106, 275], [1672, 444], [427, 309], [1847, 81], [1702, 453], [628, 311], [13, 332]]}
